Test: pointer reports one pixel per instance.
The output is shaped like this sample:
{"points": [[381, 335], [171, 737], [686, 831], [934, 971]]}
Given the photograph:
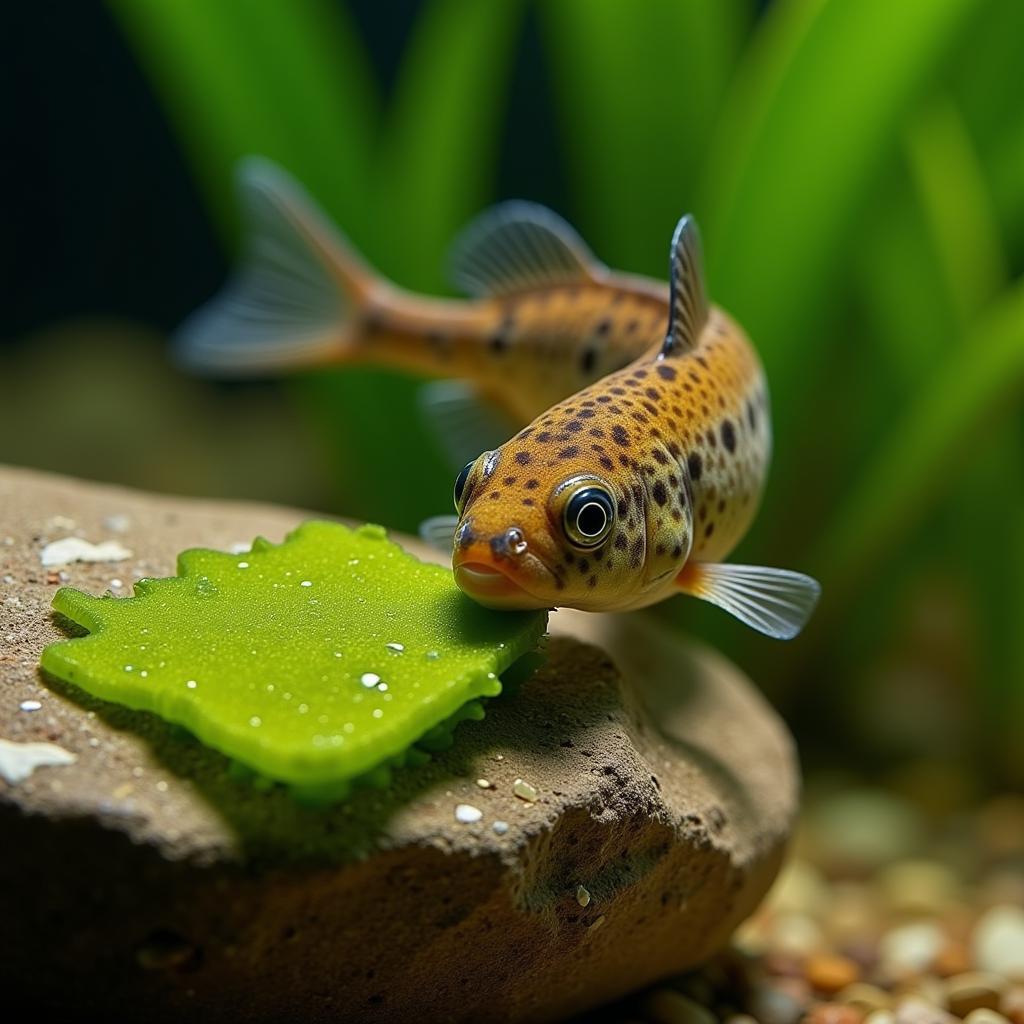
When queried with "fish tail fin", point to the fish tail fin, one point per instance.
{"points": [[299, 296]]}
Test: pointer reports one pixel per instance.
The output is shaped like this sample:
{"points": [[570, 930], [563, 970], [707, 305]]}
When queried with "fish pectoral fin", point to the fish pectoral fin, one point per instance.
{"points": [[463, 421], [775, 602], [439, 532], [517, 246], [688, 299], [295, 299]]}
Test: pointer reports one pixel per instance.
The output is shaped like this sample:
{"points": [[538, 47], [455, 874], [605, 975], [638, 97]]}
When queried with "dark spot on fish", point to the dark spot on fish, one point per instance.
{"points": [[712, 439], [651, 408], [709, 529], [721, 504], [528, 502], [676, 515], [573, 426], [603, 326], [588, 404], [584, 565], [639, 417], [695, 465], [606, 463], [619, 435], [640, 374], [659, 456], [620, 542], [632, 326], [587, 414], [494, 495], [499, 342], [660, 549], [569, 453], [677, 551], [666, 372], [618, 390], [544, 436], [729, 435], [523, 458], [624, 460], [532, 484], [636, 553], [694, 376], [659, 493], [569, 558], [592, 582], [509, 481], [703, 362], [751, 416]]}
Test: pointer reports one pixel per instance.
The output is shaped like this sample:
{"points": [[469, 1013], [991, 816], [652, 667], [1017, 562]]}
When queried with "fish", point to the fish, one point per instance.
{"points": [[639, 419]]}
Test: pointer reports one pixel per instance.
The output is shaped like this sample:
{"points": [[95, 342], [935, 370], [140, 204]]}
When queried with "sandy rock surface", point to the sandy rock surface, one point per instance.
{"points": [[137, 872]]}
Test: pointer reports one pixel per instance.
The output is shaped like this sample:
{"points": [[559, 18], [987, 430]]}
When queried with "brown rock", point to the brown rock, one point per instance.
{"points": [[145, 876], [834, 1013], [976, 990], [828, 973]]}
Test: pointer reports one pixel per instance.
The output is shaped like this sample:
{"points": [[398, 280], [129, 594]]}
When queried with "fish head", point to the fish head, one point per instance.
{"points": [[540, 529]]}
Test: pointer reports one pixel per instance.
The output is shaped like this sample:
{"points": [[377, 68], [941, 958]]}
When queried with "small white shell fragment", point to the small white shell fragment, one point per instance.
{"points": [[467, 813], [30, 705], [582, 896], [500, 827], [524, 791], [484, 783], [74, 549], [19, 760]]}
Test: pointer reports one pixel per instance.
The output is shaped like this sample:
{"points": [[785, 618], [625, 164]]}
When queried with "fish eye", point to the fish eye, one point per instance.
{"points": [[460, 484], [588, 516]]}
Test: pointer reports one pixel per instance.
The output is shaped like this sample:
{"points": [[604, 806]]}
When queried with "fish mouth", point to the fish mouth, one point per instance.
{"points": [[490, 586]]}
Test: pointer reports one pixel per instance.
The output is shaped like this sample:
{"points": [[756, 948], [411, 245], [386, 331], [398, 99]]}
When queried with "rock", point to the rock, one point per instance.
{"points": [[974, 990], [999, 941], [145, 875], [911, 948], [828, 973]]}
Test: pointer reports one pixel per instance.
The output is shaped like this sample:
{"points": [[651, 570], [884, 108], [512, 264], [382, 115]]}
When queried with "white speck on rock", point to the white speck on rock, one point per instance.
{"points": [[524, 791], [30, 705], [74, 549], [467, 813], [484, 783], [19, 760], [500, 827]]}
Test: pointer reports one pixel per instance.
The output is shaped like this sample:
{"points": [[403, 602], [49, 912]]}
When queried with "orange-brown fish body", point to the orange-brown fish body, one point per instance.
{"points": [[648, 434], [683, 445]]}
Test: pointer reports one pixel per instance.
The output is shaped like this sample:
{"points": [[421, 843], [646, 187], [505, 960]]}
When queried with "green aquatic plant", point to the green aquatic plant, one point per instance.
{"points": [[312, 662]]}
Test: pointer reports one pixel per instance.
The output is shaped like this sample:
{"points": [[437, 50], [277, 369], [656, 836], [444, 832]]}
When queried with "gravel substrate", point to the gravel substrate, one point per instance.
{"points": [[884, 915]]}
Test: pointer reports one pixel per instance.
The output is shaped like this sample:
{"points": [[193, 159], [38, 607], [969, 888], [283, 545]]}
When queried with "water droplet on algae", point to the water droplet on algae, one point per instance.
{"points": [[395, 648], [378, 712], [243, 565], [128, 668], [303, 708], [369, 679], [191, 684], [205, 587], [255, 721], [306, 583], [433, 655], [382, 687]]}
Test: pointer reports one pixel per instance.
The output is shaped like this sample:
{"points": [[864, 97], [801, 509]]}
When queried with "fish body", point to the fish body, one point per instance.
{"points": [[647, 429]]}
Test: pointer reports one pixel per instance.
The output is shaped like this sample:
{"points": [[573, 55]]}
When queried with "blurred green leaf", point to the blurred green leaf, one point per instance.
{"points": [[921, 456], [288, 81], [816, 109], [639, 93]]}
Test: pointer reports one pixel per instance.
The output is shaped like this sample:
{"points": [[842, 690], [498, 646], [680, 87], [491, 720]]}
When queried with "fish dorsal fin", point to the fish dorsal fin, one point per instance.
{"points": [[775, 602], [517, 246], [688, 299]]}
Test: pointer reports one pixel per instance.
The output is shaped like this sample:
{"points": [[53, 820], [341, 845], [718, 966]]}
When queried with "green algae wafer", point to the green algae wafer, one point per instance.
{"points": [[312, 662]]}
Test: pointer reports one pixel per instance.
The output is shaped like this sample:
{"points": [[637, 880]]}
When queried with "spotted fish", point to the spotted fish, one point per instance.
{"points": [[647, 426]]}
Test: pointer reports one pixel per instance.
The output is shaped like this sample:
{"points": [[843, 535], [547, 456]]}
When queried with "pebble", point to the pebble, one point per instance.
{"points": [[911, 948], [524, 791], [918, 1011], [833, 1013], [866, 998], [1012, 1005], [985, 1016], [880, 1017], [467, 814], [998, 941], [796, 935], [918, 887], [778, 1003], [975, 990], [829, 973]]}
